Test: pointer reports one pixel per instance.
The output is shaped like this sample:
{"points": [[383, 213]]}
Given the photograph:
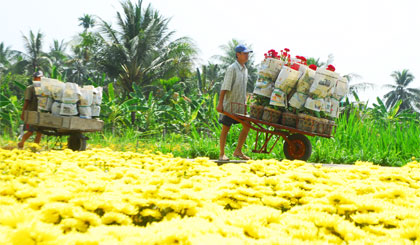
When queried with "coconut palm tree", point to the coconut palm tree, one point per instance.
{"points": [[34, 58], [401, 91], [58, 55], [5, 56], [87, 21], [140, 51], [229, 57]]}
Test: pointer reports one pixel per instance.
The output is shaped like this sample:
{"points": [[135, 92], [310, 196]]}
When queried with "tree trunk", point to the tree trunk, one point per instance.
{"points": [[133, 118]]}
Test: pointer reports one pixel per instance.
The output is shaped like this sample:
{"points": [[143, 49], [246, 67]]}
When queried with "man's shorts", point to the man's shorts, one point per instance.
{"points": [[30, 128], [227, 121]]}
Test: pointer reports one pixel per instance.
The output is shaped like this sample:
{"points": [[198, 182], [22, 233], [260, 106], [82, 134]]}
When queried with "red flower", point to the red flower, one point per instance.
{"points": [[295, 67], [331, 68], [287, 50], [313, 67]]}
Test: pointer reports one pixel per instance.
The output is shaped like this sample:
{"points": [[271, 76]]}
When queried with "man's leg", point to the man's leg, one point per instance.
{"points": [[241, 142], [24, 138], [223, 136], [38, 137]]}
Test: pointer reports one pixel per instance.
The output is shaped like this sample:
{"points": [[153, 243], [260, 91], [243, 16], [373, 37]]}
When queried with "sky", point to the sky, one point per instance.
{"points": [[371, 38]]}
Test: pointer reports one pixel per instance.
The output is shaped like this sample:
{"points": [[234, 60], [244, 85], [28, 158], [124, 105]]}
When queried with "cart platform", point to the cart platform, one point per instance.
{"points": [[55, 125]]}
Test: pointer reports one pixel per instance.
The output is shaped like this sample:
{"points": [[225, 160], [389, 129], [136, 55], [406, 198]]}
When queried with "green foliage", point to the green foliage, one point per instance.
{"points": [[209, 79], [260, 100]]}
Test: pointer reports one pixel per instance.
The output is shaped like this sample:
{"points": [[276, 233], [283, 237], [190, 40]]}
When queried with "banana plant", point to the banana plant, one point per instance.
{"points": [[393, 114], [184, 115], [116, 114], [10, 111], [209, 80]]}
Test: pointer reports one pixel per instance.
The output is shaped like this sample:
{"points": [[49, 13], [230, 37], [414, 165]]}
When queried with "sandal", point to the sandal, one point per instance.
{"points": [[224, 159], [242, 157]]}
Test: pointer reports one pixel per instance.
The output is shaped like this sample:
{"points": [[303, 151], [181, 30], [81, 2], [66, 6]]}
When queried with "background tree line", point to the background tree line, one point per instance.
{"points": [[151, 80]]}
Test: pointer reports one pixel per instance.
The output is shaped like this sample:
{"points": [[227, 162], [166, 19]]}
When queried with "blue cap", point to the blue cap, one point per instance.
{"points": [[242, 48]]}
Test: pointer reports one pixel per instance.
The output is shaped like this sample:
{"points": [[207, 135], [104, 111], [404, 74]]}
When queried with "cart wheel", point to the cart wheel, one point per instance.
{"points": [[77, 142], [300, 147]]}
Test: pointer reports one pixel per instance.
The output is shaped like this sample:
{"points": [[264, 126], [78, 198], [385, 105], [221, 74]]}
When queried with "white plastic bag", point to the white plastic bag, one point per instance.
{"points": [[68, 109], [264, 86], [71, 93], [56, 108], [86, 96], [278, 98], [85, 112], [341, 88], [45, 86], [298, 100], [57, 90], [270, 68], [96, 110], [324, 83], [97, 96], [287, 79], [314, 104], [44, 103]]}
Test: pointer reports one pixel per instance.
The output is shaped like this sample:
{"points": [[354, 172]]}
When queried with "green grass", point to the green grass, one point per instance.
{"points": [[354, 139]]}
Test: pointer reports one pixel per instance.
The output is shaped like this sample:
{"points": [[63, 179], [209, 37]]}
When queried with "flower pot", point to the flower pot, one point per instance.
{"points": [[289, 119], [271, 115], [256, 111]]}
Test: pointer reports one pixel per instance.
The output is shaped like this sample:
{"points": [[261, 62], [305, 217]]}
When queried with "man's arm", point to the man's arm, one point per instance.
{"points": [[219, 107]]}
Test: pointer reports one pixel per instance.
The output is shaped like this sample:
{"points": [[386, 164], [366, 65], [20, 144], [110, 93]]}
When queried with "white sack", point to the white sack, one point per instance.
{"points": [[68, 109], [44, 103], [71, 93], [85, 112], [97, 96], [56, 108], [96, 110]]}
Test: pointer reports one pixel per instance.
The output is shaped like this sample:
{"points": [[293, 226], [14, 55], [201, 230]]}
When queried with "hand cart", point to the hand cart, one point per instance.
{"points": [[74, 127], [296, 144]]}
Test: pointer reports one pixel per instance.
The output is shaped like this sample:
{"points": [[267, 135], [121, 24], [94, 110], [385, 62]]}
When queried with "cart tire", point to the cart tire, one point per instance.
{"points": [[77, 142], [300, 148]]}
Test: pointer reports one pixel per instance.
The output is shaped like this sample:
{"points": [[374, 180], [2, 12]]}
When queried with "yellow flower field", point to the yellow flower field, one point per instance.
{"points": [[102, 196]]}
